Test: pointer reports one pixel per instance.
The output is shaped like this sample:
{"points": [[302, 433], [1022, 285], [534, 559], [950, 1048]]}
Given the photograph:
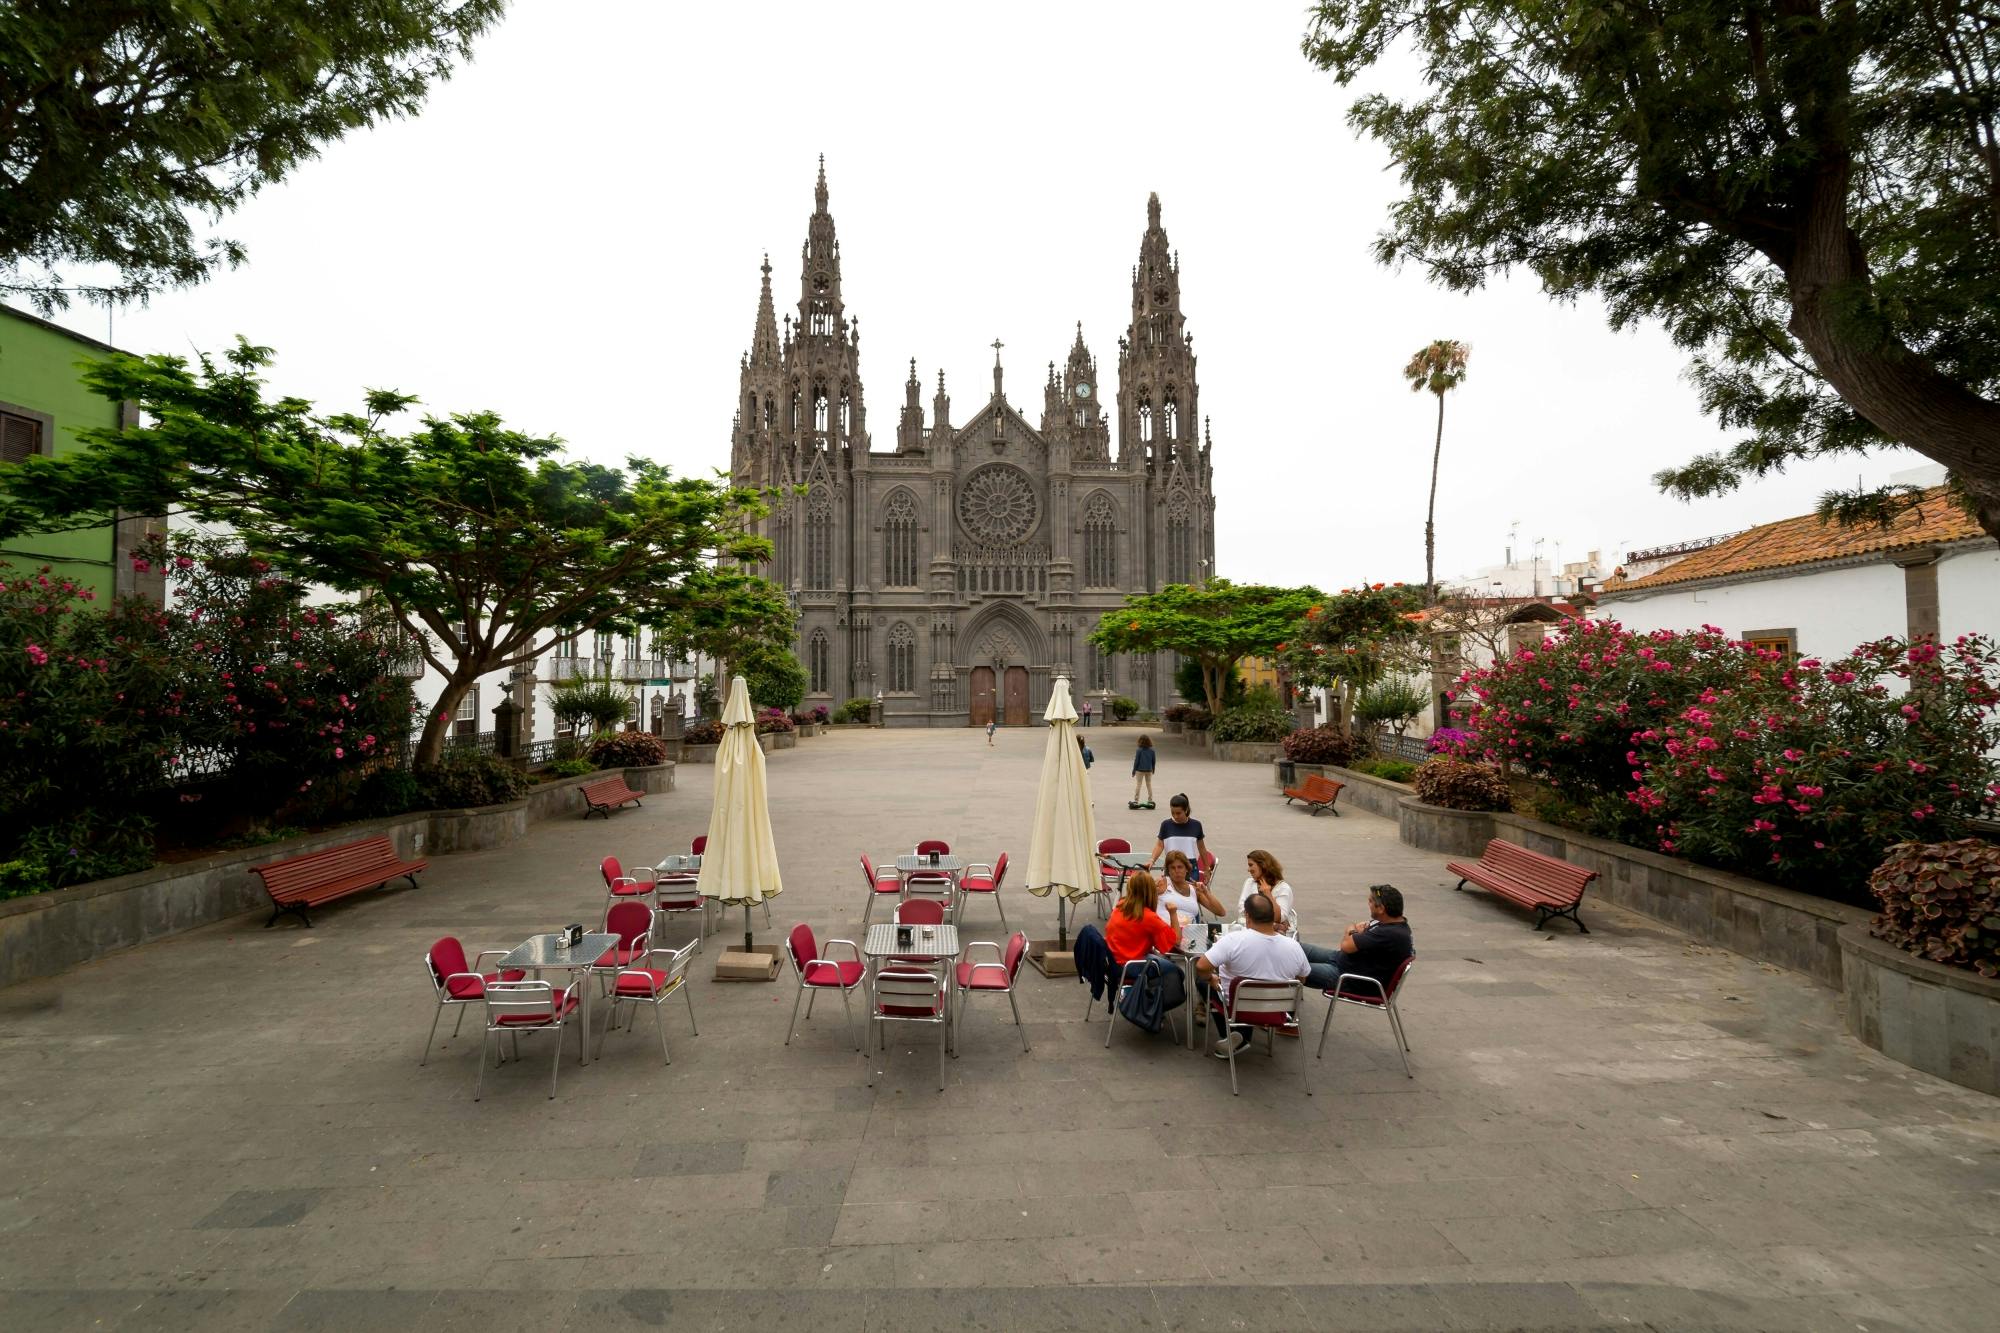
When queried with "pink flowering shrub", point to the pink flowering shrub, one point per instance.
{"points": [[85, 723], [1798, 772]]}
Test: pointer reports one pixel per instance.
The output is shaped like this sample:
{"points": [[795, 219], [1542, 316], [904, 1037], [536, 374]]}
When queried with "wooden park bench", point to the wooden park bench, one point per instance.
{"points": [[605, 795], [1552, 887], [1317, 792], [299, 882]]}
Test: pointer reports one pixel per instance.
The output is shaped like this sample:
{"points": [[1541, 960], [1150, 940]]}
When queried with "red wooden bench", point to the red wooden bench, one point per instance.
{"points": [[1317, 792], [605, 795], [299, 882], [1552, 887]]}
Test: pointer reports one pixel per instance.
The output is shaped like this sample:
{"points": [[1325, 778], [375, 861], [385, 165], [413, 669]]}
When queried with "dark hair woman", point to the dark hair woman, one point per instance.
{"points": [[1136, 925], [1181, 833]]}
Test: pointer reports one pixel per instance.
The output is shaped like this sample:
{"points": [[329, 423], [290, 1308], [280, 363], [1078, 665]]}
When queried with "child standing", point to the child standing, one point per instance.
{"points": [[991, 727], [1144, 761]]}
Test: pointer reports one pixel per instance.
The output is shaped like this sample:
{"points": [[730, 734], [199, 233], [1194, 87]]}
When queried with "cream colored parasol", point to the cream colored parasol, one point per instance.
{"points": [[739, 866], [1062, 848]]}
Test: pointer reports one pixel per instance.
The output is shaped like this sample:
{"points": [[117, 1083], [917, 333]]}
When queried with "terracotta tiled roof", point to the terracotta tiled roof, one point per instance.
{"points": [[1934, 520]]}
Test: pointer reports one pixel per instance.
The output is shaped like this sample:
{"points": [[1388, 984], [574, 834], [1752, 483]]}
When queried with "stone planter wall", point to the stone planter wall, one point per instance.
{"points": [[851, 726], [1942, 1020], [1247, 752], [1200, 740], [1746, 916], [809, 728], [781, 740], [1365, 791], [698, 754], [49, 933]]}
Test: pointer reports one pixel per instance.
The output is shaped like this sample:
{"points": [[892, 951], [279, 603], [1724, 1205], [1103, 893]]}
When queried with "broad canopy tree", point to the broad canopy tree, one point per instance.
{"points": [[121, 118], [1216, 625], [482, 543], [1805, 192]]}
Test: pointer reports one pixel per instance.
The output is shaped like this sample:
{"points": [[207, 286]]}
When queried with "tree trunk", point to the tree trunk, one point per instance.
{"points": [[1899, 392], [1430, 513], [430, 745]]}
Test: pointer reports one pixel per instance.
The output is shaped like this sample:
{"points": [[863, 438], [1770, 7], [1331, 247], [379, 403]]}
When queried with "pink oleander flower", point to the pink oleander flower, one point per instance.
{"points": [[38, 654]]}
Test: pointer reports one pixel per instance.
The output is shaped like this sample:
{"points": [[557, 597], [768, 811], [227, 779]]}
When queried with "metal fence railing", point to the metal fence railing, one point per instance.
{"points": [[1400, 747]]}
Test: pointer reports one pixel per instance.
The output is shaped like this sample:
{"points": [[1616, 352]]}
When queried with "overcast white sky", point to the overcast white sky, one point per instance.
{"points": [[569, 234]]}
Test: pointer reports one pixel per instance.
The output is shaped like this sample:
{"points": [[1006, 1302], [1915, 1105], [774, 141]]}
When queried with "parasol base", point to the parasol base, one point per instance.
{"points": [[1051, 958], [756, 964]]}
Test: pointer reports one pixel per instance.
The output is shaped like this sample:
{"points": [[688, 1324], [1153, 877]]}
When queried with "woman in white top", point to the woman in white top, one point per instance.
{"points": [[1268, 877], [1186, 896]]}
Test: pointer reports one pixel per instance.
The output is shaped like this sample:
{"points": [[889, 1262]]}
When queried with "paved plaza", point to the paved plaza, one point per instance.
{"points": [[230, 1129]]}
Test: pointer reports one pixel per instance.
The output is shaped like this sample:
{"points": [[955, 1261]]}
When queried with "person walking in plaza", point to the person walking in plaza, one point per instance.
{"points": [[1088, 757], [1144, 760], [1372, 948], [1255, 953], [1182, 833], [1268, 877], [991, 727]]}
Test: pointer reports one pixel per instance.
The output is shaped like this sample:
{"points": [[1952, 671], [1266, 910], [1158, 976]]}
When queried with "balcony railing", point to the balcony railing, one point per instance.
{"points": [[628, 670]]}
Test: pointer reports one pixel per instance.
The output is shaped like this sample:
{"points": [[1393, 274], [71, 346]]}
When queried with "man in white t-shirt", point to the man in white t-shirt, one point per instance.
{"points": [[1256, 953]]}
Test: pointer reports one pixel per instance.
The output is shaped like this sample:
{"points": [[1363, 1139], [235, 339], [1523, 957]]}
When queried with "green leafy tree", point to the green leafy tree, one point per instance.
{"points": [[1187, 684], [1440, 367], [1806, 194], [1347, 642], [1392, 702], [593, 702], [1216, 625], [121, 120], [776, 678], [482, 542]]}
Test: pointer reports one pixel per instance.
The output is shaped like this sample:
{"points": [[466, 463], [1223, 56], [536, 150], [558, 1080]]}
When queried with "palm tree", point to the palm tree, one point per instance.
{"points": [[1440, 368]]}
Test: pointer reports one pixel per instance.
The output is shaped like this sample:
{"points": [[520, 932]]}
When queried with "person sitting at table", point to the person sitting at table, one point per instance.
{"points": [[1185, 895], [1268, 877], [1256, 953], [1372, 948], [1136, 926], [1180, 833]]}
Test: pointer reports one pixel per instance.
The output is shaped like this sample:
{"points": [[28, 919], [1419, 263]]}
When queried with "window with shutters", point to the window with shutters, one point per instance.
{"points": [[899, 541], [902, 658], [20, 437], [817, 653], [1783, 642], [465, 722], [1100, 542], [819, 541]]}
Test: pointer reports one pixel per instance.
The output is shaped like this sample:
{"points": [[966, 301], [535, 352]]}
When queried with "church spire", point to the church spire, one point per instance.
{"points": [[820, 306], [910, 430], [1157, 405], [764, 347]]}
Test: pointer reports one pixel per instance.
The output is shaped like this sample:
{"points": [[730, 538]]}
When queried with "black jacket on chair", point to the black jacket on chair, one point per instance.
{"points": [[1094, 964]]}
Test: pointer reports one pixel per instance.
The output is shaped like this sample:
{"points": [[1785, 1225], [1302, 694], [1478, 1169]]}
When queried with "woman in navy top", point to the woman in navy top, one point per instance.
{"points": [[1182, 833]]}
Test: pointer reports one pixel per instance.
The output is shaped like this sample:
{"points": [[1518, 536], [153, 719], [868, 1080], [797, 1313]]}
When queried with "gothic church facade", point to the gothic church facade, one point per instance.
{"points": [[957, 572]]}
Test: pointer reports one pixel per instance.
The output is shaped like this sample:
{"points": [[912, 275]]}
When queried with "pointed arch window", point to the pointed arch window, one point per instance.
{"points": [[902, 658], [818, 652], [819, 540], [1171, 417], [899, 533], [1145, 423], [1180, 540], [846, 412], [793, 426], [770, 412], [819, 407], [1100, 542]]}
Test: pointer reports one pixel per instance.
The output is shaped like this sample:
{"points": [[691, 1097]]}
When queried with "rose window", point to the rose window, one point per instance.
{"points": [[997, 505]]}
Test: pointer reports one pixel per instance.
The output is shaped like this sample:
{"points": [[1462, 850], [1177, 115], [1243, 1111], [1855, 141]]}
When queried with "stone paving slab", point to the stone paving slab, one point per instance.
{"points": [[230, 1129]]}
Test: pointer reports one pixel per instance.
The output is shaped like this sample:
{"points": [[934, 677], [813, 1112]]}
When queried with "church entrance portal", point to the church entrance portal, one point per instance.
{"points": [[982, 696], [1017, 697]]}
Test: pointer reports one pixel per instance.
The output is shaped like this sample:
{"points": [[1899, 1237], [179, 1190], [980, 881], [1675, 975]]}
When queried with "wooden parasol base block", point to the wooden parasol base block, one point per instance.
{"points": [[759, 964], [1051, 958]]}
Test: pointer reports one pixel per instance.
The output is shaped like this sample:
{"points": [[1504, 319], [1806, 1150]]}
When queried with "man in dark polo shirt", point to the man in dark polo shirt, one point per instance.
{"points": [[1372, 948]]}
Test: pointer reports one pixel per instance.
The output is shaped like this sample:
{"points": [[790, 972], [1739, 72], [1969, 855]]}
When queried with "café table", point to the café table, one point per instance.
{"points": [[539, 953], [910, 863], [684, 869], [1126, 862], [934, 945]]}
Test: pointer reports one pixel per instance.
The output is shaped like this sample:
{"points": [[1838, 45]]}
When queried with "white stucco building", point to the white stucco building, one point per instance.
{"points": [[1812, 588]]}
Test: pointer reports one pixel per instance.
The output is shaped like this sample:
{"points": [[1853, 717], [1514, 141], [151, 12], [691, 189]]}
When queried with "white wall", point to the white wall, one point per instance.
{"points": [[1832, 610], [1969, 594]]}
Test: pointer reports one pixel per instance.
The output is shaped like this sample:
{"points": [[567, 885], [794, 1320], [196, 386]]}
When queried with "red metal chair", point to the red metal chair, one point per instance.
{"points": [[817, 973], [904, 995], [939, 884], [527, 1006], [679, 897], [879, 882], [1110, 878], [632, 923], [622, 885], [645, 983], [1266, 1005], [995, 977], [982, 878], [1371, 994], [919, 912], [1125, 978], [458, 985]]}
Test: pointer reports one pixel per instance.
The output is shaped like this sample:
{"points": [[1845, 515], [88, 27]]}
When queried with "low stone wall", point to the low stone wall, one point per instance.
{"points": [[47, 933], [1200, 740], [780, 740], [1247, 752], [698, 754], [1746, 916], [1365, 791], [1942, 1020]]}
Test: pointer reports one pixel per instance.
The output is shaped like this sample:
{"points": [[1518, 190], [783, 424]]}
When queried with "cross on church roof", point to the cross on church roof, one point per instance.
{"points": [[997, 345]]}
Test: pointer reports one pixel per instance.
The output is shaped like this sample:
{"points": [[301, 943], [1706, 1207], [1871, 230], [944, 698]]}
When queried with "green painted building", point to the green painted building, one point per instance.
{"points": [[43, 404]]}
